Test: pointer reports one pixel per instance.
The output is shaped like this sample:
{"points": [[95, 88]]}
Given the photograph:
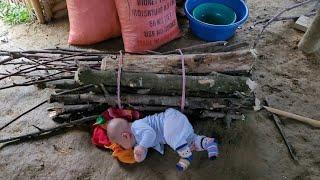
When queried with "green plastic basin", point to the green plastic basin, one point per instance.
{"points": [[214, 13]]}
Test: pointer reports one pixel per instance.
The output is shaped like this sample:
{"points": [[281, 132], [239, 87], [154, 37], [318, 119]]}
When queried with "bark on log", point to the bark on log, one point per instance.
{"points": [[62, 118], [64, 109], [61, 84], [125, 90], [238, 62], [61, 113], [202, 114], [164, 84], [149, 100]]}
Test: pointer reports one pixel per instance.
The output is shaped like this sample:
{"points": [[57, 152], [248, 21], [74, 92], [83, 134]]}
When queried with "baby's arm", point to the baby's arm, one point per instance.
{"points": [[147, 141]]}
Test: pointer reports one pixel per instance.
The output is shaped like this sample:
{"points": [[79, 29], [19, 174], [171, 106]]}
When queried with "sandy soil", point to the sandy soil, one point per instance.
{"points": [[250, 149]]}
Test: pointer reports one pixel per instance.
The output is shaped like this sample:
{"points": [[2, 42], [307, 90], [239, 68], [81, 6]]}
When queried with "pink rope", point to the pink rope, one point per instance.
{"points": [[183, 94], [120, 62]]}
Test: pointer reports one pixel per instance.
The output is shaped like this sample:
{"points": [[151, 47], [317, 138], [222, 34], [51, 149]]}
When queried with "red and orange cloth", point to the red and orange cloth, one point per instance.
{"points": [[100, 137]]}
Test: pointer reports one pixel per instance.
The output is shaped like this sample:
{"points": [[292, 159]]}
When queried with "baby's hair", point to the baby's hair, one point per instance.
{"points": [[115, 127]]}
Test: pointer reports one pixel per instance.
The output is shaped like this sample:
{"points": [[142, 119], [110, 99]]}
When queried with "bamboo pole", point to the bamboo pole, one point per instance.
{"points": [[38, 10], [306, 120]]}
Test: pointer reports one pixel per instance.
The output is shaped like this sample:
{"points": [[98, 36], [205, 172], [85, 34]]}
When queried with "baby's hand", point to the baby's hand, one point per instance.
{"points": [[139, 153]]}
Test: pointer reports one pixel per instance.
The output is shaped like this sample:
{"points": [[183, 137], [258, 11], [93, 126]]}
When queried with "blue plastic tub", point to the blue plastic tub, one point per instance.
{"points": [[210, 32]]}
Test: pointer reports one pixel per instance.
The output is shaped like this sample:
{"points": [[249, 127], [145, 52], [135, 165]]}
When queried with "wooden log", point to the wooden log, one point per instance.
{"points": [[38, 10], [238, 62], [63, 112], [310, 42], [59, 6], [62, 118], [202, 114], [149, 100], [60, 109], [61, 84], [138, 91], [164, 84]]}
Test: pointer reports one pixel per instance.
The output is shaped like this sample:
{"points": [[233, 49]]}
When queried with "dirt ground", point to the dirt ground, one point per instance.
{"points": [[250, 149]]}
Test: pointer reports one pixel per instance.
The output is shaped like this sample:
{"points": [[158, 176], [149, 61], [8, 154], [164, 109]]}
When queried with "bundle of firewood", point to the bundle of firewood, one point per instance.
{"points": [[85, 80], [216, 85]]}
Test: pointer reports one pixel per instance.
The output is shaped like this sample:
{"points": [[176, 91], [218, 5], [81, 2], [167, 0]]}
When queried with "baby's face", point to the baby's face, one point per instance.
{"points": [[126, 141]]}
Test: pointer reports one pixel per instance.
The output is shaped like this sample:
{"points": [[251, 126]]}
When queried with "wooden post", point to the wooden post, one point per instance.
{"points": [[38, 10], [310, 42], [60, 14], [47, 10], [59, 6]]}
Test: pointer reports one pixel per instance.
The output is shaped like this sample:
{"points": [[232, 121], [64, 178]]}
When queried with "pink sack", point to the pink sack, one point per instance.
{"points": [[147, 24], [92, 21]]}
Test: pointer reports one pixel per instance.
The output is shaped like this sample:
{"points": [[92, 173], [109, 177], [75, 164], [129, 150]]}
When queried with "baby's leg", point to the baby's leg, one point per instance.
{"points": [[185, 153], [209, 144], [176, 130]]}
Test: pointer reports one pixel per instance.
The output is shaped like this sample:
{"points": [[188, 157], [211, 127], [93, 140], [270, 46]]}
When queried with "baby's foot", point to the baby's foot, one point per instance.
{"points": [[186, 157], [211, 145], [183, 164]]}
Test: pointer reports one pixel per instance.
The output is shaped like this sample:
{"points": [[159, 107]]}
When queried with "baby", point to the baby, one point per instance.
{"points": [[170, 127]]}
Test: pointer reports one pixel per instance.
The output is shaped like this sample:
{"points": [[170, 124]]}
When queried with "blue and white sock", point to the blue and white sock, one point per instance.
{"points": [[185, 153], [208, 144]]}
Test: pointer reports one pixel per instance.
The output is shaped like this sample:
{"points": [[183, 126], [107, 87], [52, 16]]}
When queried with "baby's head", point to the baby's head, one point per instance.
{"points": [[119, 131]]}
